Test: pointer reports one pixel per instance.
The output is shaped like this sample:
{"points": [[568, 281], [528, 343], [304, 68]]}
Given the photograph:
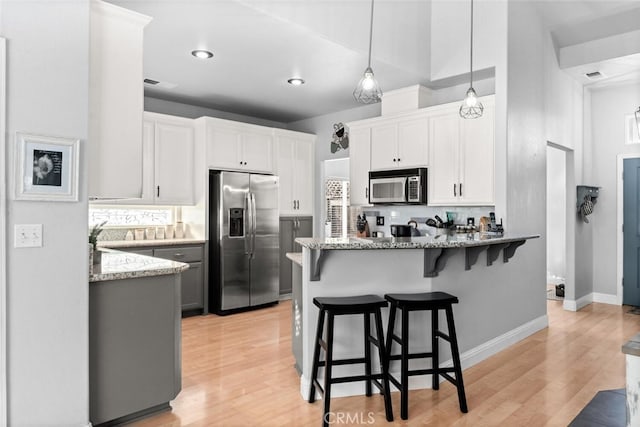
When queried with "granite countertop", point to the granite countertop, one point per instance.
{"points": [[295, 257], [144, 243], [455, 240], [118, 265]]}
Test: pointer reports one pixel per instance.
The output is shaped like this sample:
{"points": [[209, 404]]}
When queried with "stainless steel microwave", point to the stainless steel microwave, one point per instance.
{"points": [[398, 186]]}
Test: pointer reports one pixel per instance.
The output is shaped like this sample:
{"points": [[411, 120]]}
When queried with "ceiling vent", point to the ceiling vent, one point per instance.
{"points": [[594, 75], [156, 83]]}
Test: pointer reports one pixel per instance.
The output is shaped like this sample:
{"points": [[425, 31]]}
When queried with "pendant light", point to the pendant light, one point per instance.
{"points": [[471, 107], [638, 120], [368, 91]]}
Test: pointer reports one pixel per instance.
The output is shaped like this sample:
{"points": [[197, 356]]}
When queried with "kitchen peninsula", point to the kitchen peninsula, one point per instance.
{"points": [[134, 335], [495, 310]]}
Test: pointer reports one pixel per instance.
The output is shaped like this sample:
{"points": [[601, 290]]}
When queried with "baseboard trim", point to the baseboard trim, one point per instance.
{"points": [[605, 298], [468, 359], [575, 305]]}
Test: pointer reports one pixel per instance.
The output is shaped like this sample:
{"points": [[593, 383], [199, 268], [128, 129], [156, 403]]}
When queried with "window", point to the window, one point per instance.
{"points": [[131, 217], [337, 207]]}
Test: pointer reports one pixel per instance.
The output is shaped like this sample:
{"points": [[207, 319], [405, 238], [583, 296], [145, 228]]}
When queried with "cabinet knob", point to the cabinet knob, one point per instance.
{"points": [[398, 158], [460, 189], [245, 163], [394, 160], [178, 255], [454, 190]]}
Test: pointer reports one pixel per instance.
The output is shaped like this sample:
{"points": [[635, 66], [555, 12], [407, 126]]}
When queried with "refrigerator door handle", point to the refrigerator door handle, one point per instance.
{"points": [[247, 225], [254, 226]]}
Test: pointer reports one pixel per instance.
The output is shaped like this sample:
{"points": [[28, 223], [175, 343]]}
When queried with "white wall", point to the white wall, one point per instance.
{"points": [[47, 301], [609, 106]]}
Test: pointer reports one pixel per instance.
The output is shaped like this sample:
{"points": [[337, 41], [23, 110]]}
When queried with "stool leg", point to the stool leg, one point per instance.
{"points": [[367, 352], [327, 370], [404, 366], [390, 327], [316, 356], [435, 351], [455, 353], [384, 366]]}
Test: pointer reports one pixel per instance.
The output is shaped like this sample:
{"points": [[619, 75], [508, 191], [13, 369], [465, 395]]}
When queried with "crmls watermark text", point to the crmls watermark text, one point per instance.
{"points": [[350, 418]]}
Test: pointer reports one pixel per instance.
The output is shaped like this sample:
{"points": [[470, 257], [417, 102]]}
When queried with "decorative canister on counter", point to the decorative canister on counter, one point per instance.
{"points": [[139, 233], [159, 232], [179, 230], [151, 233], [168, 231]]}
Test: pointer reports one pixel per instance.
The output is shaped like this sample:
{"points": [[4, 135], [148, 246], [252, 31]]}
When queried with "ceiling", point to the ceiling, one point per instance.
{"points": [[259, 44]]}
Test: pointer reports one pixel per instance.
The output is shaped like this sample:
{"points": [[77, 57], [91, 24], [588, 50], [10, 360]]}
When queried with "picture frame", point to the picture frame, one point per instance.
{"points": [[47, 168]]}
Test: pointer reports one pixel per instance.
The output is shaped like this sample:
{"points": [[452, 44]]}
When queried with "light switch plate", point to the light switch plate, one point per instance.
{"points": [[379, 220], [28, 236]]}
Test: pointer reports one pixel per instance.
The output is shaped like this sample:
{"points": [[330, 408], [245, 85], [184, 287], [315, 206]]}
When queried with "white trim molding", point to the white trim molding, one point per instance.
{"points": [[619, 221], [575, 305], [605, 298]]}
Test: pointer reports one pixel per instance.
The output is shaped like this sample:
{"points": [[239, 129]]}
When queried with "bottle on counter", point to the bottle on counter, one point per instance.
{"points": [[179, 230]]}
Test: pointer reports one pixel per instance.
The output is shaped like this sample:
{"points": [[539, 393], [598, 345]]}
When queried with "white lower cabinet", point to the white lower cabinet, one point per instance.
{"points": [[295, 154], [462, 165]]}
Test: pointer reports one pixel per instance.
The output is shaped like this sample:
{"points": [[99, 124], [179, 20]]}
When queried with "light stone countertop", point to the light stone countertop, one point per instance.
{"points": [[455, 240], [147, 243], [117, 265], [296, 257]]}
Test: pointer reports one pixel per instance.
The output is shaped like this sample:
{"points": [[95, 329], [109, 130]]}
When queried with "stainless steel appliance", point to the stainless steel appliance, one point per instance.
{"points": [[243, 241], [398, 186]]}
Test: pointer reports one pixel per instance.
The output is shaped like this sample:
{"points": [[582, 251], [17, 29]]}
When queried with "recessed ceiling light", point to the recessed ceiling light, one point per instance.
{"points": [[202, 54], [296, 81]]}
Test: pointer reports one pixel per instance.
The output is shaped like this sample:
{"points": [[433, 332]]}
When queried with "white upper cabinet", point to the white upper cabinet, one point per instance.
{"points": [[238, 146], [359, 164], [173, 159], [115, 103], [400, 143], [462, 165], [295, 167]]}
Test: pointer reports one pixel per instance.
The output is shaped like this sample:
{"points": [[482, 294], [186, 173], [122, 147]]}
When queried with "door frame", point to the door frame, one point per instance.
{"points": [[3, 234], [619, 221]]}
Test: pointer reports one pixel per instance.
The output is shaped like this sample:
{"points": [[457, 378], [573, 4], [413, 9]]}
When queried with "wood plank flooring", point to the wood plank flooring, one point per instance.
{"points": [[238, 371]]}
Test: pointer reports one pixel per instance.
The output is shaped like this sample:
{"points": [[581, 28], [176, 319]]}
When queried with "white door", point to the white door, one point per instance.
{"points": [[443, 158], [257, 152], [359, 165], [286, 162], [304, 177], [413, 143], [384, 141], [477, 159], [174, 145]]}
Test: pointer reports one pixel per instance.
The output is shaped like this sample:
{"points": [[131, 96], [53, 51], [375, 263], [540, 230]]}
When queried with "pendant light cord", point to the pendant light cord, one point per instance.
{"points": [[370, 34], [470, 50]]}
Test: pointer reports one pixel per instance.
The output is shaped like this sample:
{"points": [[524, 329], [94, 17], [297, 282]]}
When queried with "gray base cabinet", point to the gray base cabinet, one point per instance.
{"points": [[192, 290], [290, 228], [135, 346]]}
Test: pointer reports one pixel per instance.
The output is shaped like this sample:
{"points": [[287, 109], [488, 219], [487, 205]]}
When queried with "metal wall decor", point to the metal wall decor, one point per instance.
{"points": [[340, 139]]}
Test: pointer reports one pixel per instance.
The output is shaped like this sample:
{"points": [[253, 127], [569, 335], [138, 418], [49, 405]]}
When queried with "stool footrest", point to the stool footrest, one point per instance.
{"points": [[319, 387], [411, 356], [348, 361], [354, 378]]}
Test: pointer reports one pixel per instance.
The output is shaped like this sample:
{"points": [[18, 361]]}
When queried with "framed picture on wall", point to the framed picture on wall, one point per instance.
{"points": [[47, 168]]}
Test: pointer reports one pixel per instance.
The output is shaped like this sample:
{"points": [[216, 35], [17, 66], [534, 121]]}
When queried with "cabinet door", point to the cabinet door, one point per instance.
{"points": [[286, 161], [477, 159], [443, 172], [384, 153], [359, 165], [413, 143], [286, 245], [223, 147], [174, 145], [192, 287], [303, 178], [304, 228], [257, 152]]}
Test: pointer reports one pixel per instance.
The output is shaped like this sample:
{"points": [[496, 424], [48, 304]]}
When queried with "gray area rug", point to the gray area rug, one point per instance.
{"points": [[606, 409]]}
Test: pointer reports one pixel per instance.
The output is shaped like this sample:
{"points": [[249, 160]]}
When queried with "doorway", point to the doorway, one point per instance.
{"points": [[556, 224], [335, 179], [630, 231]]}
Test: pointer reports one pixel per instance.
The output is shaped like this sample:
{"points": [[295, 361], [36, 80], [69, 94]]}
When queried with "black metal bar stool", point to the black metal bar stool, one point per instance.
{"points": [[433, 301], [336, 306]]}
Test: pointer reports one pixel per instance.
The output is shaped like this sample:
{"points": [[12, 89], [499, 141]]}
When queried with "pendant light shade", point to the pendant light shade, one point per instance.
{"points": [[638, 121], [368, 90], [471, 107]]}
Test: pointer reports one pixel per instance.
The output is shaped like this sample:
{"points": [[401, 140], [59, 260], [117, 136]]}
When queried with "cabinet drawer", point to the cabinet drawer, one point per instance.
{"points": [[182, 254]]}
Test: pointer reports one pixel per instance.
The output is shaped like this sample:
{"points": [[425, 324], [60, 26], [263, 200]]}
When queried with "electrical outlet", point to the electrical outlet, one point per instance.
{"points": [[28, 236], [379, 220]]}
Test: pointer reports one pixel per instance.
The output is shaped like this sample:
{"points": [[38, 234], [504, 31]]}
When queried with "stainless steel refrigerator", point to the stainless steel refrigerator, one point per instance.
{"points": [[243, 241]]}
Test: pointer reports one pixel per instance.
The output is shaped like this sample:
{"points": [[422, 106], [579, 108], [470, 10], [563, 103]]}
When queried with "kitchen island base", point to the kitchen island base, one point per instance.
{"points": [[496, 308]]}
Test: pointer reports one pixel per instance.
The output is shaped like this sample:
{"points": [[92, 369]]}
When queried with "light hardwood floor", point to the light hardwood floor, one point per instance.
{"points": [[238, 371]]}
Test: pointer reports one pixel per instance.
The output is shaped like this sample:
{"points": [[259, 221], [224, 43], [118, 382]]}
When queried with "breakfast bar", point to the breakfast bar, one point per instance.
{"points": [[495, 309]]}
